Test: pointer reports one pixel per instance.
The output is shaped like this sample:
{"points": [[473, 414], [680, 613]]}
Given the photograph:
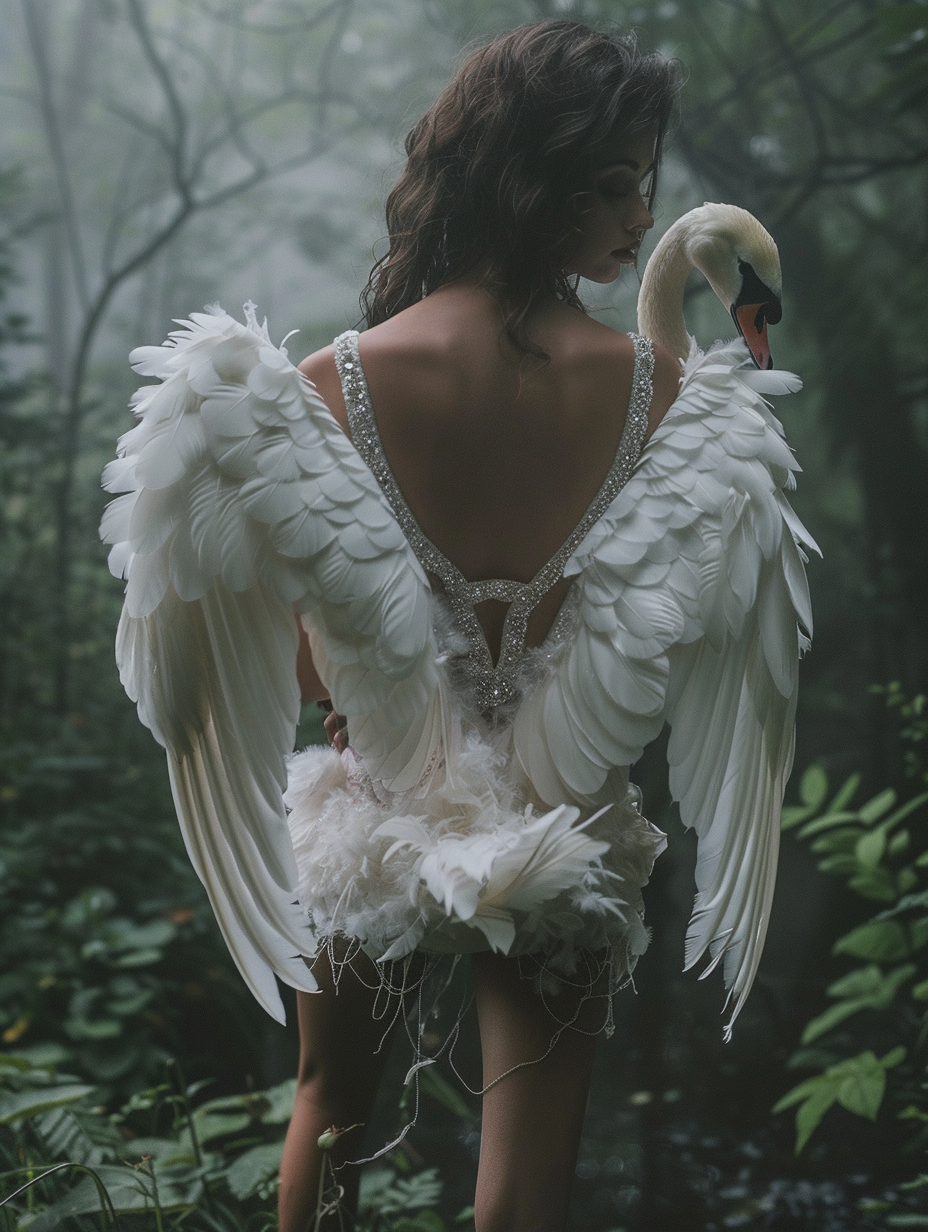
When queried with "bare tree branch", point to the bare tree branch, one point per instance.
{"points": [[38, 47], [175, 106], [183, 193]]}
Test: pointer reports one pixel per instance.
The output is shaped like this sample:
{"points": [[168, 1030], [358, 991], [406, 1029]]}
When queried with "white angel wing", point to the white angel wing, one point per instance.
{"points": [[692, 594], [244, 500]]}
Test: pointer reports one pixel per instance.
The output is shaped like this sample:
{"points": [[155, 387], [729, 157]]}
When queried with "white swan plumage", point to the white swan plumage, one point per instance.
{"points": [[242, 501]]}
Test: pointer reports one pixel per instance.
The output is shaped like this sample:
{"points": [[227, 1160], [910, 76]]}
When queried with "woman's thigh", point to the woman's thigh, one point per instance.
{"points": [[537, 1062], [345, 1029], [344, 1034]]}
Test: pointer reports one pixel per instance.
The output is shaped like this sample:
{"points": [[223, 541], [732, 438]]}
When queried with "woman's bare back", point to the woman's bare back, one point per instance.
{"points": [[497, 456]]}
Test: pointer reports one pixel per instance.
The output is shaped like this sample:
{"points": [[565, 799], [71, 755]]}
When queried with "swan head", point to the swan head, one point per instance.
{"points": [[741, 263]]}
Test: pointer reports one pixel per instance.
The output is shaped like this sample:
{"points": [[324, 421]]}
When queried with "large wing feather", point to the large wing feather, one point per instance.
{"points": [[242, 500], [692, 594]]}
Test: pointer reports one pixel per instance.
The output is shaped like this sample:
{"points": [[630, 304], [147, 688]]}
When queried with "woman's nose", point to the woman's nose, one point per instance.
{"points": [[644, 219]]}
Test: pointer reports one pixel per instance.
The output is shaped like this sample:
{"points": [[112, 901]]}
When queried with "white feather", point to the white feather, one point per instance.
{"points": [[244, 497], [710, 645]]}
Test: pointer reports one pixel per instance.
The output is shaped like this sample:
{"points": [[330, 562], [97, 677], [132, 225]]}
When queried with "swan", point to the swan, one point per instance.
{"points": [[739, 260]]}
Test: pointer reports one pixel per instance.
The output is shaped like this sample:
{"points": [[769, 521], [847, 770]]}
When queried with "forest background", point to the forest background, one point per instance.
{"points": [[158, 155]]}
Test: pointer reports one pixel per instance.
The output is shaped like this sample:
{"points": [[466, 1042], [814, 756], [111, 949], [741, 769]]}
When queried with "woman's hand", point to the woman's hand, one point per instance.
{"points": [[336, 729]]}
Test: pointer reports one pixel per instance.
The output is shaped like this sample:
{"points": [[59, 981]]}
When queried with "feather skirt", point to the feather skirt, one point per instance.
{"points": [[470, 866]]}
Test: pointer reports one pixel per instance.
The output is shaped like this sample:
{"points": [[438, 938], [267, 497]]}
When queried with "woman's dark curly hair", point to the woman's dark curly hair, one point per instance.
{"points": [[496, 161]]}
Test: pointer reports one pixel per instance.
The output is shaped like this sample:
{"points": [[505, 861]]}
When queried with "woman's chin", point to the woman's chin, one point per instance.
{"points": [[605, 273]]}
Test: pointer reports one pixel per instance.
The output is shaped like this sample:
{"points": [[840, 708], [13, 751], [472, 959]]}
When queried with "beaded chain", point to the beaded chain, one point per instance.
{"points": [[494, 685]]}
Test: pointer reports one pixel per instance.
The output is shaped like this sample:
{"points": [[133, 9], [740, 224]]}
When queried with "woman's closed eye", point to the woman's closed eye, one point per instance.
{"points": [[616, 188]]}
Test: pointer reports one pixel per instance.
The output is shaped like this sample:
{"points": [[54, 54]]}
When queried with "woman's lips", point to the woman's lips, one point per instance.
{"points": [[627, 256]]}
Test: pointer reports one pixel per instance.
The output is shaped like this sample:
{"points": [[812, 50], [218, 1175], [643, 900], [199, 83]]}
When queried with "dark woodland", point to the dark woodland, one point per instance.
{"points": [[158, 157]]}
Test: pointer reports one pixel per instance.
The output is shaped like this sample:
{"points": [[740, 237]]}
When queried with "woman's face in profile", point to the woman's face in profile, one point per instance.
{"points": [[611, 218]]}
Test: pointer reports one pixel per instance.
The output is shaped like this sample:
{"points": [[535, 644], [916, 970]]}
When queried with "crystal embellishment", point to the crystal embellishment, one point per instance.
{"points": [[494, 686]]}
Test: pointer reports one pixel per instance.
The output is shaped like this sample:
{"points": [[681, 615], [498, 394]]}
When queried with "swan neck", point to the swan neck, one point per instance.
{"points": [[660, 301]]}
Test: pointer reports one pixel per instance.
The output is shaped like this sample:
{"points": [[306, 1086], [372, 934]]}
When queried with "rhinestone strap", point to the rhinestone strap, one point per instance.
{"points": [[494, 685]]}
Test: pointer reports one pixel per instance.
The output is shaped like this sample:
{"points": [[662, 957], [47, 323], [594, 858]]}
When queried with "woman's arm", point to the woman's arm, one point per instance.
{"points": [[313, 690]]}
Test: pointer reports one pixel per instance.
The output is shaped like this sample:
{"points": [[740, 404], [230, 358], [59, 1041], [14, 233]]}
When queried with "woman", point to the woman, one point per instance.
{"points": [[500, 407], [502, 617]]}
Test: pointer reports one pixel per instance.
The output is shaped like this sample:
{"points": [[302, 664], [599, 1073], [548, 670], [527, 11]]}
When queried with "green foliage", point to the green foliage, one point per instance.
{"points": [[162, 1160], [102, 970], [880, 850], [911, 712], [857, 1084]]}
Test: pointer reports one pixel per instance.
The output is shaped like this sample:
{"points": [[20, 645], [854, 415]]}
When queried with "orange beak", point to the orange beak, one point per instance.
{"points": [[752, 326]]}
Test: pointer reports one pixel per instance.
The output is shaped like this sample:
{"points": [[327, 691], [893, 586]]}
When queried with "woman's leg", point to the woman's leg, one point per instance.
{"points": [[532, 1117], [339, 1071]]}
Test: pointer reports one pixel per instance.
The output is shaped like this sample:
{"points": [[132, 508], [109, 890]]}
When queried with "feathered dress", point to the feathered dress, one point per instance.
{"points": [[480, 805]]}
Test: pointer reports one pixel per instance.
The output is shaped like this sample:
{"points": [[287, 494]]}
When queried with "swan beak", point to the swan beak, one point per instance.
{"points": [[751, 320]]}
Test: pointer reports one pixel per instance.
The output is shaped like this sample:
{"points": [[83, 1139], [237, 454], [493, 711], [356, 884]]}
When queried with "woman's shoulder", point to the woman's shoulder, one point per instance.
{"points": [[443, 344], [320, 369], [668, 372], [606, 351]]}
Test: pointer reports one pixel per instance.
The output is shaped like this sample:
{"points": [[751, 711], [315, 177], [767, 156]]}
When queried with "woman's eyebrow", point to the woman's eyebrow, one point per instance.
{"points": [[624, 162]]}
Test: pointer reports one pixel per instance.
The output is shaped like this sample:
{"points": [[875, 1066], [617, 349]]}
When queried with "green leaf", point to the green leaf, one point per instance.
{"points": [[845, 794], [811, 1112], [827, 823], [19, 1064], [844, 840], [130, 1003], [863, 1089], [899, 843], [163, 1150], [29, 1103], [415, 1192], [229, 1103], [908, 903], [874, 809], [864, 989], [813, 787], [912, 1114], [247, 1173], [793, 814], [130, 1190], [909, 807], [425, 1221], [800, 1092], [894, 1057], [862, 982], [123, 935], [841, 865], [136, 958], [877, 940], [920, 991], [876, 884], [905, 880], [832, 1016], [88, 907], [281, 1099], [218, 1125], [870, 848], [858, 1084], [907, 1221], [80, 1028]]}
